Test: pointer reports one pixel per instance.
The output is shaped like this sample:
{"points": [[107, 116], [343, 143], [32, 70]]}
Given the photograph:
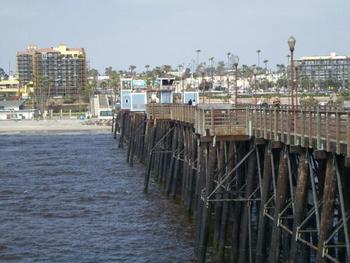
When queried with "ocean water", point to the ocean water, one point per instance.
{"points": [[73, 198]]}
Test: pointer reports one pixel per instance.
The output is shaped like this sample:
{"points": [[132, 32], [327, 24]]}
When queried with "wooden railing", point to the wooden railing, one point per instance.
{"points": [[322, 128]]}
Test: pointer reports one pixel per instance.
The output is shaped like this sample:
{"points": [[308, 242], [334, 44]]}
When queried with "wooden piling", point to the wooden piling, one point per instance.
{"points": [[282, 184], [327, 208], [245, 252], [299, 204], [150, 157], [266, 185]]}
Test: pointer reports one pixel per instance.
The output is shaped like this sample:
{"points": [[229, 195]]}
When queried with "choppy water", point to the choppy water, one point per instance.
{"points": [[73, 198]]}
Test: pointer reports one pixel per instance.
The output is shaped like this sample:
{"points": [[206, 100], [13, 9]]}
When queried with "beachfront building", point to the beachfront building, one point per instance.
{"points": [[9, 89], [100, 107], [15, 110], [56, 71], [324, 68]]}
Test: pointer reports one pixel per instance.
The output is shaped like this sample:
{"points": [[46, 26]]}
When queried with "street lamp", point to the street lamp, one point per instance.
{"points": [[201, 69], [255, 71], [291, 44], [212, 74], [266, 73], [228, 76], [198, 51], [180, 67], [258, 51], [235, 61]]}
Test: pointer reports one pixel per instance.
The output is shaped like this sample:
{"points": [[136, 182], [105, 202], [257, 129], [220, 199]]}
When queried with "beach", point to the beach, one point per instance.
{"points": [[59, 125]]}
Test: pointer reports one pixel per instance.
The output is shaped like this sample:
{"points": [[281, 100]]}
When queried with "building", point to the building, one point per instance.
{"points": [[56, 71], [9, 89], [133, 94], [324, 68], [100, 107], [14, 110]]}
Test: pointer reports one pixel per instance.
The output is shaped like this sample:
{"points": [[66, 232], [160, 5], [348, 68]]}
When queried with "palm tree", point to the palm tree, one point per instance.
{"points": [[108, 71], [265, 62], [132, 68], [114, 83], [167, 68]]}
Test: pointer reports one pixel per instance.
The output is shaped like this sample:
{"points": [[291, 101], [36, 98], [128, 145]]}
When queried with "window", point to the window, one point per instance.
{"points": [[105, 113]]}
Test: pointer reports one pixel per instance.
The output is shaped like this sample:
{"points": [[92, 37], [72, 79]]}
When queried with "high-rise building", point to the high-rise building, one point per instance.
{"points": [[58, 71], [324, 68]]}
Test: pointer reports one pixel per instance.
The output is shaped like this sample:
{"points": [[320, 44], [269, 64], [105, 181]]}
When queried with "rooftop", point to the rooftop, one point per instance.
{"points": [[62, 48], [332, 55], [11, 103]]}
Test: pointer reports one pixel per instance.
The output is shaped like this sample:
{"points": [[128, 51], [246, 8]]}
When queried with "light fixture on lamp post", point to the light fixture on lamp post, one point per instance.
{"points": [[291, 44]]}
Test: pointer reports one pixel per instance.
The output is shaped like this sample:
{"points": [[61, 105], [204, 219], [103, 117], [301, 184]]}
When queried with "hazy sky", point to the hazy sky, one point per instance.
{"points": [[119, 33]]}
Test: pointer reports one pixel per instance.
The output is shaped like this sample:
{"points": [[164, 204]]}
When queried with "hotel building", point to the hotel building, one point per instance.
{"points": [[56, 71]]}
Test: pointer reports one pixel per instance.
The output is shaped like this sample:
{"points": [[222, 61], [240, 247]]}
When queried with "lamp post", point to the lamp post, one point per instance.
{"points": [[287, 73], [291, 44], [235, 61], [258, 51], [198, 51], [266, 74], [212, 74], [201, 69], [228, 76], [180, 66], [255, 71]]}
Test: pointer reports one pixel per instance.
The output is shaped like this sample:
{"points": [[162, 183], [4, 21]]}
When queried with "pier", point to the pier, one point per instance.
{"points": [[263, 183]]}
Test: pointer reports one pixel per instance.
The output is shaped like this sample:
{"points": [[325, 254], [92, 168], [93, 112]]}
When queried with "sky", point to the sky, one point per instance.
{"points": [[120, 33]]}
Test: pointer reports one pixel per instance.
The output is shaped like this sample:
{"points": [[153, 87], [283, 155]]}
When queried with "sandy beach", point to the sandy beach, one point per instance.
{"points": [[64, 125]]}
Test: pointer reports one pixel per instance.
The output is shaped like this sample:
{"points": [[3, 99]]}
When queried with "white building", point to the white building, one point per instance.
{"points": [[13, 110], [100, 107]]}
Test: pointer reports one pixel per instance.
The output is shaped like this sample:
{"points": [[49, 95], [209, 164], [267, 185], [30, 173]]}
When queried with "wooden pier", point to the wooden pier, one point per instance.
{"points": [[264, 184]]}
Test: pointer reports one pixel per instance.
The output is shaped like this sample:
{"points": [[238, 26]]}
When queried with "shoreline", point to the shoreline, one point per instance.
{"points": [[59, 125]]}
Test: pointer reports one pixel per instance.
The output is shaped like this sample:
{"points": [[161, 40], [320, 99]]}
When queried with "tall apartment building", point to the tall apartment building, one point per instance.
{"points": [[323, 68], [58, 71]]}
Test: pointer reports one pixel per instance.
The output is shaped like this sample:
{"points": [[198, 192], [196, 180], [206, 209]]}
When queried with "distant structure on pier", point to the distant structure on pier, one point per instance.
{"points": [[136, 93], [56, 71]]}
